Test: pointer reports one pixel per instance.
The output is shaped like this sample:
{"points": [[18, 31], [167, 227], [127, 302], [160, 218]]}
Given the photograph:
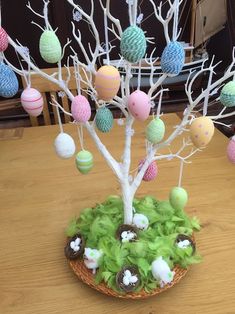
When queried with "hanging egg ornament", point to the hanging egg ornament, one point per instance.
{"points": [[84, 161], [32, 101], [81, 109], [178, 198], [151, 172], [173, 58], [64, 145], [139, 105], [227, 96], [201, 131], [155, 131], [231, 150], [50, 47], [133, 44], [104, 120], [107, 82], [3, 40], [8, 81]]}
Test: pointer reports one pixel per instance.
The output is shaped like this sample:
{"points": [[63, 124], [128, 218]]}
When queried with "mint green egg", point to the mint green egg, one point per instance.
{"points": [[178, 198], [50, 47], [104, 120], [155, 131], [84, 161], [133, 44], [227, 96]]}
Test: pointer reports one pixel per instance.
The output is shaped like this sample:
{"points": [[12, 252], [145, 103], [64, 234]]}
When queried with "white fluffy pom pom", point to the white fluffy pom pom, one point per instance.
{"points": [[64, 145]]}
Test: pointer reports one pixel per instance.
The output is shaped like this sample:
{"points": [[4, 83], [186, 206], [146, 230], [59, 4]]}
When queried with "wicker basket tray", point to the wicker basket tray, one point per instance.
{"points": [[87, 277]]}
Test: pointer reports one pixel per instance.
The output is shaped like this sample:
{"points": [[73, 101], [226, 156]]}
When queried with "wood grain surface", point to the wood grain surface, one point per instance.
{"points": [[39, 194]]}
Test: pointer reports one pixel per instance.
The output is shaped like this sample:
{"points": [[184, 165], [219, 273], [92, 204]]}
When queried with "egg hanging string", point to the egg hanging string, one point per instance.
{"points": [[80, 135], [139, 76], [207, 96], [27, 79], [181, 173], [59, 119], [77, 74], [106, 36]]}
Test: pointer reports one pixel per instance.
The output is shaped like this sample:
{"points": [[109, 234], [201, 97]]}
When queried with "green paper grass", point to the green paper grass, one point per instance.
{"points": [[98, 226]]}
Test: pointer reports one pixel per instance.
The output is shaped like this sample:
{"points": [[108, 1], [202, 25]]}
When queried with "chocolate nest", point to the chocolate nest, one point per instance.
{"points": [[123, 228], [69, 252], [120, 275], [183, 237]]}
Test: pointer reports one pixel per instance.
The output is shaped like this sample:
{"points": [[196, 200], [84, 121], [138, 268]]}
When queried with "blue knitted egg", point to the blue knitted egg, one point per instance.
{"points": [[133, 44], [104, 120], [8, 81], [173, 57], [227, 96]]}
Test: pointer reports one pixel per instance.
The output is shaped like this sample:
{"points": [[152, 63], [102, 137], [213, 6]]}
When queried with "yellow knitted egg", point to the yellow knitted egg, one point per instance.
{"points": [[201, 131], [49, 46], [107, 82]]}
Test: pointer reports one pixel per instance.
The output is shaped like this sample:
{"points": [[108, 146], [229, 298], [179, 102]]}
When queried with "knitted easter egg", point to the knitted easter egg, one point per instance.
{"points": [[64, 145], [8, 81], [139, 105], [32, 101], [231, 150], [49, 46], [3, 40], [104, 120], [155, 131], [81, 109], [107, 82], [173, 57], [84, 161], [151, 172], [227, 96], [133, 44], [178, 198], [201, 131]]}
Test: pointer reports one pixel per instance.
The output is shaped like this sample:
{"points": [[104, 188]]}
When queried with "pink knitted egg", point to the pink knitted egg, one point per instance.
{"points": [[139, 105], [151, 172], [32, 101], [3, 40], [81, 109], [231, 150]]}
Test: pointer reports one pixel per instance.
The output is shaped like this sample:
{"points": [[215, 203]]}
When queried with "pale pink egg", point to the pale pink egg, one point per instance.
{"points": [[3, 40], [81, 109], [32, 101], [231, 150], [151, 172], [139, 105]]}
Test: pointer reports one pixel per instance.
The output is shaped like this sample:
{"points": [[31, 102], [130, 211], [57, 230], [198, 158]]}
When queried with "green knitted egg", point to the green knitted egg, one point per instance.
{"points": [[227, 96], [104, 120], [133, 44], [50, 48], [84, 161], [155, 131]]}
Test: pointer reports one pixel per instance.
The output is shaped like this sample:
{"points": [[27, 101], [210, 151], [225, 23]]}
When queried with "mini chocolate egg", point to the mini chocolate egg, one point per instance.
{"points": [[84, 161], [133, 44], [151, 172], [107, 82], [64, 145], [201, 131], [32, 101], [178, 198], [8, 81], [81, 109], [139, 105], [173, 58], [104, 120], [155, 131], [227, 96], [50, 47], [3, 40], [231, 150]]}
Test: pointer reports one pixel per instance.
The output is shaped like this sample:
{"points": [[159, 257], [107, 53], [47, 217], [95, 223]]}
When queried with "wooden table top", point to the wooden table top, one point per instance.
{"points": [[40, 193]]}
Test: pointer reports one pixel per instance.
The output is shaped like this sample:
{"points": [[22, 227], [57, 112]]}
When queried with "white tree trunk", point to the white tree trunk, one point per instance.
{"points": [[127, 197]]}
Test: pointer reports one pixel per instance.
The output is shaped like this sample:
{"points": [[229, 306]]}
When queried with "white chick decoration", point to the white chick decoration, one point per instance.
{"points": [[161, 271], [128, 278], [141, 221], [91, 258]]}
